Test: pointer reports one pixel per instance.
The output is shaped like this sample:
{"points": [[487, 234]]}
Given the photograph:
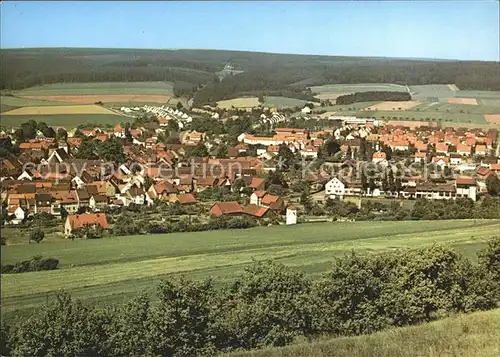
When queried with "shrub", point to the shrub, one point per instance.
{"points": [[64, 328], [36, 263], [37, 235], [267, 306]]}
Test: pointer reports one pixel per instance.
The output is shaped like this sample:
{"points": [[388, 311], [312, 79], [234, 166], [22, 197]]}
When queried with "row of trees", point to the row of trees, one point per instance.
{"points": [[268, 305], [373, 97]]}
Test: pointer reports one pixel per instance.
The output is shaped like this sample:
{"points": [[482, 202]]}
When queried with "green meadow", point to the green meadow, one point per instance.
{"points": [[113, 269]]}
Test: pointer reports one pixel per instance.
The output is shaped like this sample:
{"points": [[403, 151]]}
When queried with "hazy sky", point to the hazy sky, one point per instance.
{"points": [[429, 29]]}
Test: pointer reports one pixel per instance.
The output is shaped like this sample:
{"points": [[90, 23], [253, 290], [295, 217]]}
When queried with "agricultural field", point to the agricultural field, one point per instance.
{"points": [[113, 269], [283, 102], [68, 121], [60, 110], [362, 87], [17, 102], [106, 98], [117, 93], [492, 118], [98, 88], [332, 91], [406, 105], [72, 104], [468, 101], [439, 103], [464, 335], [243, 102]]}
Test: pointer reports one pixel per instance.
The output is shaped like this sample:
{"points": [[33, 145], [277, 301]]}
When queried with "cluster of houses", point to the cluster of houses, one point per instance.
{"points": [[60, 182], [165, 113]]}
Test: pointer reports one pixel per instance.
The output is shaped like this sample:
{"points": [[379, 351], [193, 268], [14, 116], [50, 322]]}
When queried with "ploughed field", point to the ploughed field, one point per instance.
{"points": [[114, 269]]}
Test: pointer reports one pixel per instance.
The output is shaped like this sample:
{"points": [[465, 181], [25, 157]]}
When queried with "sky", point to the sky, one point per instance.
{"points": [[467, 30]]}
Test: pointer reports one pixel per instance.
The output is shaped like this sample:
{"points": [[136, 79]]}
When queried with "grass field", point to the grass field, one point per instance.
{"points": [[60, 110], [64, 120], [467, 335], [17, 102], [99, 88], [105, 98], [244, 102], [114, 269], [283, 102]]}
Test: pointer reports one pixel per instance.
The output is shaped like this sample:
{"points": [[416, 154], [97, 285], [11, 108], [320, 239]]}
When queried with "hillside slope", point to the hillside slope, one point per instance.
{"points": [[472, 335]]}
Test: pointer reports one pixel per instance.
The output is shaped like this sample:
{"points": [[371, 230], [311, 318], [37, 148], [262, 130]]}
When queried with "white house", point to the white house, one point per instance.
{"points": [[78, 182], [335, 188], [291, 215], [18, 216], [309, 152], [306, 110], [256, 197], [455, 159]]}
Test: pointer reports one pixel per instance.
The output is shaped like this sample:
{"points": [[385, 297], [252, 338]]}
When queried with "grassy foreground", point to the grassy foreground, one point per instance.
{"points": [[114, 269], [471, 335]]}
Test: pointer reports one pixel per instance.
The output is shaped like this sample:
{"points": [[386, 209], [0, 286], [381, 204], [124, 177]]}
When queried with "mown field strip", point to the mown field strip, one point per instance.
{"points": [[130, 248], [86, 276]]}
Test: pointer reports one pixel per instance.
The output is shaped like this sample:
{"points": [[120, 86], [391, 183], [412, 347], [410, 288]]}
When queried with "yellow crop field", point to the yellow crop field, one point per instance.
{"points": [[470, 101], [250, 102], [492, 118], [394, 105], [60, 109]]}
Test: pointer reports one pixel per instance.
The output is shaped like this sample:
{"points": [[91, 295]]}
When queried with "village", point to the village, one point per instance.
{"points": [[278, 176]]}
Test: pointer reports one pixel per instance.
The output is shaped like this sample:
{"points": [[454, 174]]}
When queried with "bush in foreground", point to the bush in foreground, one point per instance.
{"points": [[268, 305]]}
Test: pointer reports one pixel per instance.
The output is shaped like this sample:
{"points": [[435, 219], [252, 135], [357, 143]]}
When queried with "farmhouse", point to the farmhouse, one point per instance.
{"points": [[231, 208], [75, 222]]}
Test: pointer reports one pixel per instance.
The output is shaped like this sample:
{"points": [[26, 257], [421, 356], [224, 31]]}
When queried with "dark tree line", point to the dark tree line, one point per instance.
{"points": [[263, 73], [373, 96]]}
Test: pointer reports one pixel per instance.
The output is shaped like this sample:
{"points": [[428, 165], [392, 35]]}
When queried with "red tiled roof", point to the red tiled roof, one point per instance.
{"points": [[80, 220], [186, 199], [379, 155], [260, 193], [269, 199], [466, 180], [483, 171], [441, 147], [221, 208], [256, 183], [254, 210]]}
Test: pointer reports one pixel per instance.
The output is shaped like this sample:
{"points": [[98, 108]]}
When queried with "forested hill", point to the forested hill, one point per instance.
{"points": [[194, 71]]}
